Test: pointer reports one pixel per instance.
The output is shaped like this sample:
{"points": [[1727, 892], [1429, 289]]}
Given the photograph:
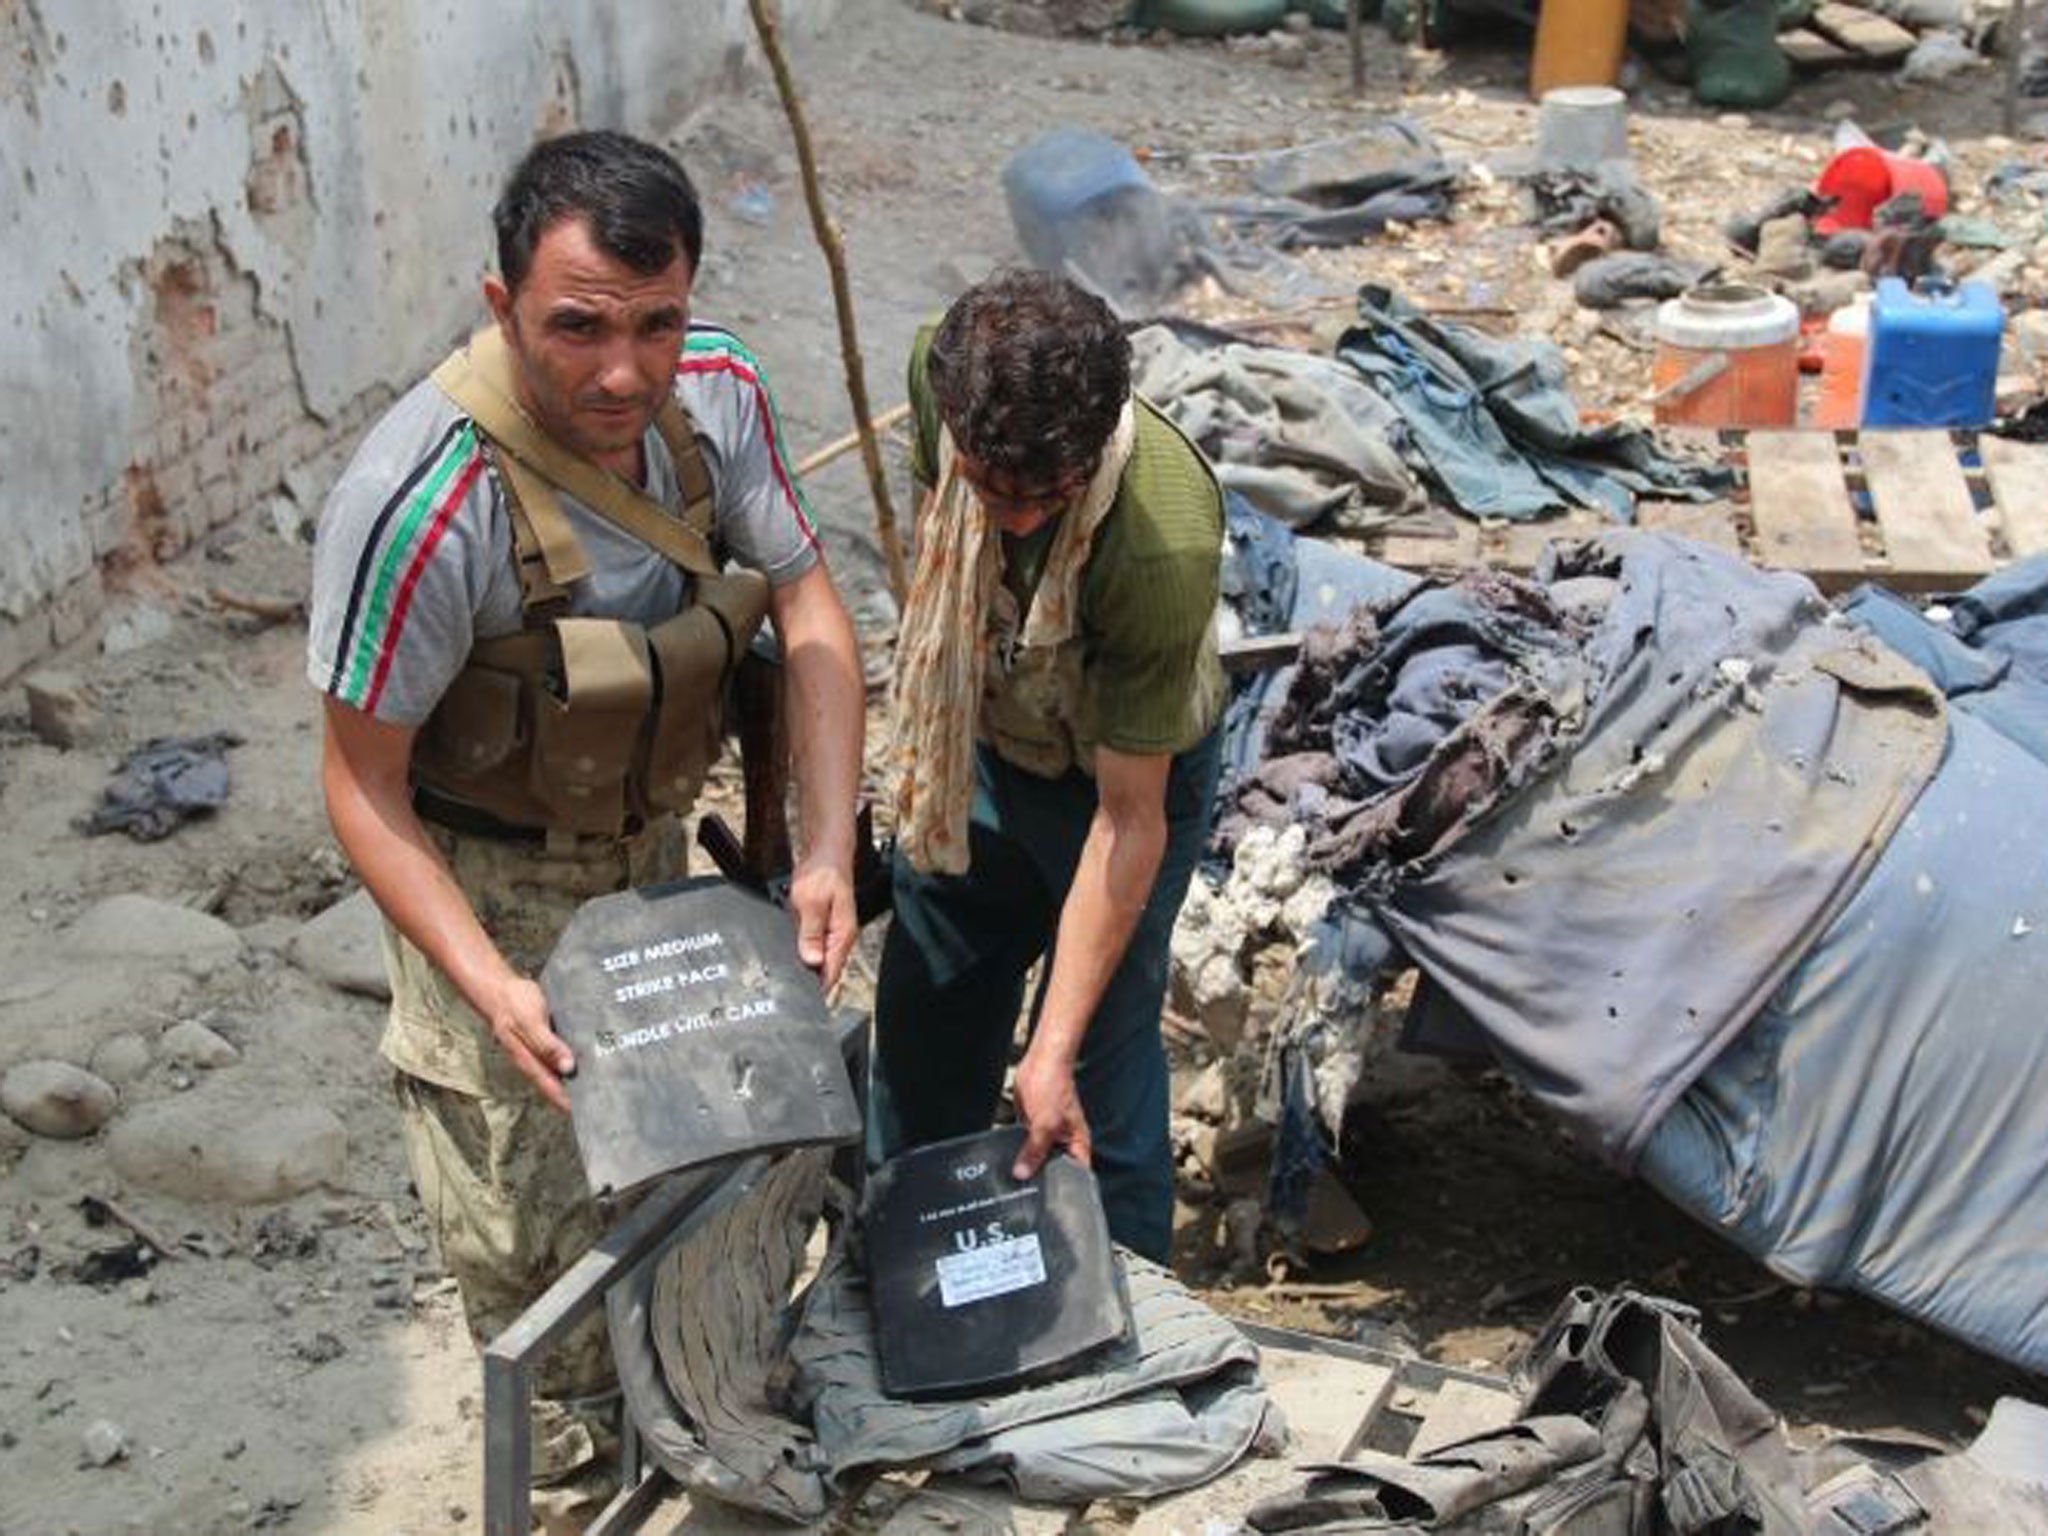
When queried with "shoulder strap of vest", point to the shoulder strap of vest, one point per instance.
{"points": [[686, 452], [545, 548], [478, 378]]}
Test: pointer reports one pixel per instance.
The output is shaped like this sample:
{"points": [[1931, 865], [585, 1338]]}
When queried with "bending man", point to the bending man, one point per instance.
{"points": [[1057, 701]]}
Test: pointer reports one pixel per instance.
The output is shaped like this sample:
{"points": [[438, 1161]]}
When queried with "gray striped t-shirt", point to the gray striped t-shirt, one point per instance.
{"points": [[413, 562]]}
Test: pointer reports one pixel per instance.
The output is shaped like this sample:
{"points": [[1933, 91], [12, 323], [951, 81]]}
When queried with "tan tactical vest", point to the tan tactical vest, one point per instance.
{"points": [[1033, 698], [1036, 708], [579, 725]]}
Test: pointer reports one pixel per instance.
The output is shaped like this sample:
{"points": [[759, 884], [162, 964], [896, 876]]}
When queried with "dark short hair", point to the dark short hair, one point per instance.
{"points": [[637, 201], [1030, 372]]}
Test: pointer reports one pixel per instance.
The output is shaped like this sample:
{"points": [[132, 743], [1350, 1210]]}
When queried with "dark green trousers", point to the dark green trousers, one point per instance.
{"points": [[954, 966]]}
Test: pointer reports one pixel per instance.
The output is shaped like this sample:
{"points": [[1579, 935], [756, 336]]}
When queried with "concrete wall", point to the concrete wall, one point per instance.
{"points": [[229, 234]]}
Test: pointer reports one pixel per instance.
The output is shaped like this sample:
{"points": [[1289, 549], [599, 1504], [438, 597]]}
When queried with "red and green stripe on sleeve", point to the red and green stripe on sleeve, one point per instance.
{"points": [[710, 349], [400, 543]]}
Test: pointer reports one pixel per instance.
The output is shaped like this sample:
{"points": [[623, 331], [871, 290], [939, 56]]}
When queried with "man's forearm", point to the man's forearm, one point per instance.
{"points": [[369, 803], [412, 885], [826, 706]]}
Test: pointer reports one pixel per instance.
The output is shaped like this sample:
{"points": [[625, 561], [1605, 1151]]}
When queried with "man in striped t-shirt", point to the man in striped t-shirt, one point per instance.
{"points": [[415, 579]]}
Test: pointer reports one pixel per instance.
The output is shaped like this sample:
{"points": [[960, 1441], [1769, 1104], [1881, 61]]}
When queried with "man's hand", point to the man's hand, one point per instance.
{"points": [[821, 902], [1050, 1107], [824, 704], [363, 773], [518, 1017], [1112, 883]]}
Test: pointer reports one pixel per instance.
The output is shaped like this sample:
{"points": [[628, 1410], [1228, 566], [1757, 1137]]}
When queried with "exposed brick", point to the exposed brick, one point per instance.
{"points": [[272, 420], [23, 642], [177, 482], [72, 612], [245, 347], [60, 709]]}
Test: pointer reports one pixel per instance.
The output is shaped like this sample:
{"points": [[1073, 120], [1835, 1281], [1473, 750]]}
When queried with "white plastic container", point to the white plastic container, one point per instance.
{"points": [[1580, 127], [1727, 356], [1841, 366]]}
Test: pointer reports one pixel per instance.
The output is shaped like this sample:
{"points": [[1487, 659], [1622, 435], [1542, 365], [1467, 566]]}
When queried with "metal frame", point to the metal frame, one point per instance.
{"points": [[1402, 1371], [669, 1214]]}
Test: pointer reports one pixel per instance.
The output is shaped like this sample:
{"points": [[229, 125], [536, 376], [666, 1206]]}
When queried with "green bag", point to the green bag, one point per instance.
{"points": [[1209, 18], [1736, 60], [1335, 13], [1400, 18]]}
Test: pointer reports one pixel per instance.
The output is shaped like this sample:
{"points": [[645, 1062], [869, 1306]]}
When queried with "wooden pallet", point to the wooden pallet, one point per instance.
{"points": [[1918, 511]]}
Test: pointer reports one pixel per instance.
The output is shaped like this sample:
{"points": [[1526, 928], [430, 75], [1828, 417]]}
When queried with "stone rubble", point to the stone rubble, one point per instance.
{"points": [[57, 1099]]}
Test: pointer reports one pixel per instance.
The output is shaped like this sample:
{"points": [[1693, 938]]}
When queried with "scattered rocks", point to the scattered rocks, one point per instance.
{"points": [[121, 1058], [320, 1349], [279, 1238], [139, 927], [343, 947], [136, 628], [104, 1443], [1207, 979], [1783, 248], [62, 1170], [2001, 272], [195, 1045], [1208, 1096], [60, 708], [2026, 339], [187, 1149], [1825, 292], [57, 1099]]}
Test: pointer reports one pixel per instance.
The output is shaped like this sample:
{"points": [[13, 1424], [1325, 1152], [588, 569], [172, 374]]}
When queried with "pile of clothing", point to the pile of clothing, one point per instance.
{"points": [[1407, 406], [1721, 879]]}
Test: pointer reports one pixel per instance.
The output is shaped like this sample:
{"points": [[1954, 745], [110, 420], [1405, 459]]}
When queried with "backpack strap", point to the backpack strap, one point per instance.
{"points": [[478, 378]]}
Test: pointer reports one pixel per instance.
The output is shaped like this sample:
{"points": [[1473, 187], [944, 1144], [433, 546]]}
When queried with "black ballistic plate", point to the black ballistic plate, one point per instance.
{"points": [[698, 1033], [980, 1283]]}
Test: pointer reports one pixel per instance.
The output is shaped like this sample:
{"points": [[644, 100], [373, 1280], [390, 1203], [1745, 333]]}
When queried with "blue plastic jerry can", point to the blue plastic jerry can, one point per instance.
{"points": [[1083, 207], [1932, 360]]}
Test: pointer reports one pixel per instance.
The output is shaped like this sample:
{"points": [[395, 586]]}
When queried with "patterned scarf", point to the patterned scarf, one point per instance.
{"points": [[942, 644]]}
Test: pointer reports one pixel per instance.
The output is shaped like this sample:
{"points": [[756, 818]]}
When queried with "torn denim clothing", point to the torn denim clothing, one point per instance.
{"points": [[1709, 771], [1495, 424]]}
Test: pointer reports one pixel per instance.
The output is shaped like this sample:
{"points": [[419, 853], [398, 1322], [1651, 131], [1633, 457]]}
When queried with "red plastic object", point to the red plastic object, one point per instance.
{"points": [[1860, 179]]}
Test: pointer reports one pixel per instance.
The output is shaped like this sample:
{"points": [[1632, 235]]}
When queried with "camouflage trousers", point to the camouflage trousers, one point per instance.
{"points": [[496, 1166]]}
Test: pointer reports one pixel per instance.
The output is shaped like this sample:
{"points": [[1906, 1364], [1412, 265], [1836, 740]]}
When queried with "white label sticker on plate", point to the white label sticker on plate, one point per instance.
{"points": [[994, 1269]]}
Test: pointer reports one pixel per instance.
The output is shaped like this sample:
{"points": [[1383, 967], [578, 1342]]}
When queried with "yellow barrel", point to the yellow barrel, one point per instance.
{"points": [[1578, 42]]}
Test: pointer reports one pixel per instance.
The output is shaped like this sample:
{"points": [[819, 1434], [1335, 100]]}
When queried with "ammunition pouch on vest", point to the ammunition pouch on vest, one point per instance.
{"points": [[585, 725], [1037, 711]]}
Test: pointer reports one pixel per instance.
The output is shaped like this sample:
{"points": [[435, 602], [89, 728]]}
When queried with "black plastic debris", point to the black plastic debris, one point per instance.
{"points": [[162, 784], [1607, 282], [105, 1267], [699, 1033], [981, 1283], [321, 1349]]}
